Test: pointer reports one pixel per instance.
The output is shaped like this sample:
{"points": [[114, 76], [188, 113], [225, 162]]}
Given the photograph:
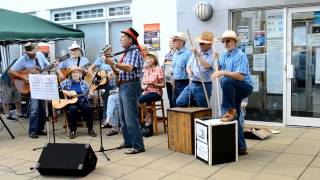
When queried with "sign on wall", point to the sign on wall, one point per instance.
{"points": [[152, 36]]}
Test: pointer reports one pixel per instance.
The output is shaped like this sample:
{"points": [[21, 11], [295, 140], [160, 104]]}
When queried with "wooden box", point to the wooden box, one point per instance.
{"points": [[181, 127], [216, 142]]}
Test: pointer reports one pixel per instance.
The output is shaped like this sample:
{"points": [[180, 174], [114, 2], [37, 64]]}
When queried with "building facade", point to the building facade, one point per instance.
{"points": [[280, 38]]}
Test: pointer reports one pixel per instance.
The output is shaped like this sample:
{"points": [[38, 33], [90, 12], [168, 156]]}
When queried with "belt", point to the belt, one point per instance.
{"points": [[126, 81], [199, 82]]}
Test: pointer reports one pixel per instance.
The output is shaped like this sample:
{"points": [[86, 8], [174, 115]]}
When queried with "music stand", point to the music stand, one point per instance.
{"points": [[7, 128]]}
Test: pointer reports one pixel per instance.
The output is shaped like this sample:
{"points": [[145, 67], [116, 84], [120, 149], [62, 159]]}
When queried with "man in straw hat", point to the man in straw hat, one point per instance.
{"points": [[32, 59], [76, 59], [194, 92], [130, 72], [179, 62], [236, 83], [72, 87]]}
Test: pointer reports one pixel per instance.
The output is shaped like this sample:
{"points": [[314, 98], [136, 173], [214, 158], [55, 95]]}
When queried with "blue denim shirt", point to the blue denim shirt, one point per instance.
{"points": [[25, 62], [73, 62], [179, 61], [236, 61], [205, 72], [66, 85]]}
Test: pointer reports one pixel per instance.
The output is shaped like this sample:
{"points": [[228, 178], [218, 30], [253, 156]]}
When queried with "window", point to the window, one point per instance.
{"points": [[93, 13], [261, 38], [62, 16], [119, 11]]}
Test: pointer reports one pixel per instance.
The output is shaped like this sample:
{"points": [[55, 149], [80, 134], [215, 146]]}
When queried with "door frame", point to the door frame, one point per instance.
{"points": [[288, 118]]}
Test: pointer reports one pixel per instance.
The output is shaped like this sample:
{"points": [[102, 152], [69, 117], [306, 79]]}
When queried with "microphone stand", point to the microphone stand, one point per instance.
{"points": [[94, 80]]}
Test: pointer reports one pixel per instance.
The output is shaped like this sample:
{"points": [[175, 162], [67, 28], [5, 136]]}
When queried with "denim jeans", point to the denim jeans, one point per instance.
{"points": [[113, 110], [233, 93], [149, 97], [129, 93], [37, 116], [105, 96], [169, 93], [197, 95], [179, 87]]}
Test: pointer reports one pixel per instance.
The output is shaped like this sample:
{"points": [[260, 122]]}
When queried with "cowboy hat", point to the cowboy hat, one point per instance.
{"points": [[30, 47], [74, 46], [179, 35], [132, 33], [74, 68], [106, 47], [205, 37], [230, 34], [154, 55]]}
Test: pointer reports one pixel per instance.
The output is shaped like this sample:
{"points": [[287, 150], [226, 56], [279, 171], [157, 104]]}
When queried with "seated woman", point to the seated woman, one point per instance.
{"points": [[113, 113], [152, 84], [72, 87]]}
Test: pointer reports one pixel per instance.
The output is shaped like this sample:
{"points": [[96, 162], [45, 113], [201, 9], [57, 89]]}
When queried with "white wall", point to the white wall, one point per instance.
{"points": [[156, 11]]}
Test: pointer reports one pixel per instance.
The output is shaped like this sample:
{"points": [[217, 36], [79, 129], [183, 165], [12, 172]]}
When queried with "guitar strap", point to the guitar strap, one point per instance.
{"points": [[38, 64], [125, 53], [78, 63]]}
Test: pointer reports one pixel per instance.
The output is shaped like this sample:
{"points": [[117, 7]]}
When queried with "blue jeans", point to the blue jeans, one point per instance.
{"points": [[169, 93], [149, 97], [179, 87], [233, 93], [197, 95], [129, 93], [37, 116], [113, 110], [74, 115], [105, 96]]}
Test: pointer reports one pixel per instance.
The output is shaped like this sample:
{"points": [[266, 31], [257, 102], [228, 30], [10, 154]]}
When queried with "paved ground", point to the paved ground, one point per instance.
{"points": [[292, 154]]}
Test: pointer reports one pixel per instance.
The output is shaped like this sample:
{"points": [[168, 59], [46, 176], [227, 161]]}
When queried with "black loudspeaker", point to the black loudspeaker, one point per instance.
{"points": [[66, 160]]}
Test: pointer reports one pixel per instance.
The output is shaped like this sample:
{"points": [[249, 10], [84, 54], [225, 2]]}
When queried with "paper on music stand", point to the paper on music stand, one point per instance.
{"points": [[43, 87]]}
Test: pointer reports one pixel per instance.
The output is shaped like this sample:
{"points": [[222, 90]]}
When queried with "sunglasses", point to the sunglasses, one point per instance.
{"points": [[226, 41], [201, 44]]}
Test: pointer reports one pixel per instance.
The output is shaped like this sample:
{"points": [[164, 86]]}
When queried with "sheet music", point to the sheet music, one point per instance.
{"points": [[44, 87]]}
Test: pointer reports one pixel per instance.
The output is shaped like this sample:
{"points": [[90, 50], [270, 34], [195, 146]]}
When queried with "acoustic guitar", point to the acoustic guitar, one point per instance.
{"points": [[101, 79], [61, 103]]}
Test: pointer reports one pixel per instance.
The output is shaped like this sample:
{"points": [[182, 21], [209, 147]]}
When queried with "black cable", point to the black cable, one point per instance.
{"points": [[32, 170]]}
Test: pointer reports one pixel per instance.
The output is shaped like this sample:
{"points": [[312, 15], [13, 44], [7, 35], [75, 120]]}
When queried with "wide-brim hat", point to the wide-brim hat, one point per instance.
{"points": [[132, 33], [205, 37], [230, 34], [30, 47], [74, 68], [74, 46], [154, 55], [179, 35]]}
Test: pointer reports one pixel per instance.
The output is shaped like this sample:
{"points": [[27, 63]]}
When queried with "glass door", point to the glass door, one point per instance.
{"points": [[303, 66]]}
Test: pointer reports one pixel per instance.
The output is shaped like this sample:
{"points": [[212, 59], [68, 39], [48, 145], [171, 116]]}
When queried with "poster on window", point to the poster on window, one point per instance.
{"points": [[275, 26], [152, 36], [243, 33], [274, 65], [259, 39], [255, 82], [259, 62]]}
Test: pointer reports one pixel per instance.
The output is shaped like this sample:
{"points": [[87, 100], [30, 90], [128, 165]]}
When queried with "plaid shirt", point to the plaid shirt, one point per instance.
{"points": [[153, 75], [66, 85], [135, 59]]}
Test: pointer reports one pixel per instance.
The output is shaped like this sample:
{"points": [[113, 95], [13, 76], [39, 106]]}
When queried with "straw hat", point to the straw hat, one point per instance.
{"points": [[205, 37], [30, 47], [74, 68], [179, 35], [154, 55], [230, 34], [74, 46]]}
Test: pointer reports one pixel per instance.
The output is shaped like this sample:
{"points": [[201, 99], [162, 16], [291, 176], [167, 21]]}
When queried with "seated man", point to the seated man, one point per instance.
{"points": [[152, 84], [71, 87]]}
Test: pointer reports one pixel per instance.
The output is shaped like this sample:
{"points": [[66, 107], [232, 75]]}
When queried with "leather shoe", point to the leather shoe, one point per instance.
{"points": [[33, 135], [72, 135], [134, 151], [122, 146], [42, 133], [242, 152], [230, 115], [92, 133]]}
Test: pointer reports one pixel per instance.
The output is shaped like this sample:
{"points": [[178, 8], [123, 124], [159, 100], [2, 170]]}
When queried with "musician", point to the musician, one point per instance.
{"points": [[152, 84], [130, 67], [72, 87], [32, 59], [194, 92], [236, 83], [179, 62], [76, 59], [111, 80]]}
